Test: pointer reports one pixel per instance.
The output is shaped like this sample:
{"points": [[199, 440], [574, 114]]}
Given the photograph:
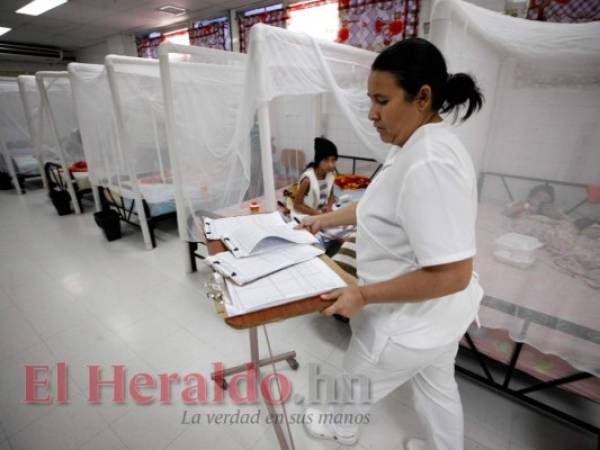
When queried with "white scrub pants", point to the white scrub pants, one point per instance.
{"points": [[431, 376]]}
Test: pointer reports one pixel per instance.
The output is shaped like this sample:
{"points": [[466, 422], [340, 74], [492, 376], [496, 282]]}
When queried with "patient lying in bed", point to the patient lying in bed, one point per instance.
{"points": [[574, 246], [574, 250], [540, 200]]}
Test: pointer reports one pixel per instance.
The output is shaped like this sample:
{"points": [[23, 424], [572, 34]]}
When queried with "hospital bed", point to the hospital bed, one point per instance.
{"points": [[157, 199], [540, 323], [57, 181], [23, 163], [357, 165]]}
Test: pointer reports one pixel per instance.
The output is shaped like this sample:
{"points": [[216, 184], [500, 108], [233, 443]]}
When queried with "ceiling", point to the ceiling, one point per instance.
{"points": [[81, 23]]}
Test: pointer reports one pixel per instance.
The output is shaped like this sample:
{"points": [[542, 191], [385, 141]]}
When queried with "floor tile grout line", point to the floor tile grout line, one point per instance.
{"points": [[117, 435]]}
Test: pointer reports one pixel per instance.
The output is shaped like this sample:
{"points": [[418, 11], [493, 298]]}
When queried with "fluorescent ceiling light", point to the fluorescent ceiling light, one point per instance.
{"points": [[4, 30], [173, 10], [37, 7]]}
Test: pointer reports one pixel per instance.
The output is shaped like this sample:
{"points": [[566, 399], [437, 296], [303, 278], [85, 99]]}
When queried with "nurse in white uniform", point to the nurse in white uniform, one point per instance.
{"points": [[415, 246]]}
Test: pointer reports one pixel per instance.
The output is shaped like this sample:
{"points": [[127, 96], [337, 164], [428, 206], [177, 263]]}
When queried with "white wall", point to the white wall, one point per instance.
{"points": [[14, 68], [118, 44], [493, 5], [94, 54], [427, 6]]}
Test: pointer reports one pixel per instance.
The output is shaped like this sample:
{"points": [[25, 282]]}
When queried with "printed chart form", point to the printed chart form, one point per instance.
{"points": [[303, 280], [245, 270], [218, 228]]}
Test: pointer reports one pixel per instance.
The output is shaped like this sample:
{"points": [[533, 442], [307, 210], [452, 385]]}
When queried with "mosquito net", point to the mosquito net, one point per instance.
{"points": [[16, 142], [203, 91], [309, 88], [97, 123], [139, 111], [536, 145], [291, 89], [59, 135], [30, 96]]}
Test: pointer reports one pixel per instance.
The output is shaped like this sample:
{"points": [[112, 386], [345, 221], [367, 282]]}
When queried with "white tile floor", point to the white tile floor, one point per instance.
{"points": [[68, 295]]}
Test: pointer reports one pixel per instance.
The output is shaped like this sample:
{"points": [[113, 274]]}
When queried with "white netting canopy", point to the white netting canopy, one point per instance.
{"points": [[311, 88], [30, 95], [59, 135], [203, 91], [139, 111], [308, 87], [16, 144], [536, 145], [95, 115]]}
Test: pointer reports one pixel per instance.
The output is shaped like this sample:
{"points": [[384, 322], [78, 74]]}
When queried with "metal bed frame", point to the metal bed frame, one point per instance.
{"points": [[57, 183], [484, 361], [126, 213], [21, 179]]}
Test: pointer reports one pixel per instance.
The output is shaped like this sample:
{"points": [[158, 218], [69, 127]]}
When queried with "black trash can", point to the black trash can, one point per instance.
{"points": [[5, 181], [61, 201], [110, 223]]}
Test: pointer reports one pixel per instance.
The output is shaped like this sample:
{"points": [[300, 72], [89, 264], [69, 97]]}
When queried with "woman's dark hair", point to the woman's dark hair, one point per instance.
{"points": [[324, 148], [415, 62], [542, 188]]}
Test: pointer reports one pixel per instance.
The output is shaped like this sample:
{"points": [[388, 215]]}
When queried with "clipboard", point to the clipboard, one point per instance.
{"points": [[217, 292]]}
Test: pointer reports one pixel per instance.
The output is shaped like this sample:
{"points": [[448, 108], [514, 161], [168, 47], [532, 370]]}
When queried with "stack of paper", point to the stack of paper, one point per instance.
{"points": [[268, 262], [219, 228], [256, 234], [244, 270], [262, 239], [303, 280]]}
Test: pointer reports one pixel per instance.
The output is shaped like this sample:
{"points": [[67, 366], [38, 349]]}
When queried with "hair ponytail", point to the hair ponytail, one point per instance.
{"points": [[459, 89]]}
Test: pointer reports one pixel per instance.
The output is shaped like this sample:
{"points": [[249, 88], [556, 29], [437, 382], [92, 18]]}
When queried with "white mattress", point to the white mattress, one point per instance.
{"points": [[26, 165], [565, 306], [82, 179]]}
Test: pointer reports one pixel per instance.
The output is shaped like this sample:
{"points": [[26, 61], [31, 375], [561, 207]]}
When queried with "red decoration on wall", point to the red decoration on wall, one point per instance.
{"points": [[148, 48], [343, 35], [214, 35], [277, 18], [375, 24], [396, 27], [567, 11]]}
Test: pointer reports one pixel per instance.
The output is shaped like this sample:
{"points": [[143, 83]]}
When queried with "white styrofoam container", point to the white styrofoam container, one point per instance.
{"points": [[517, 249]]}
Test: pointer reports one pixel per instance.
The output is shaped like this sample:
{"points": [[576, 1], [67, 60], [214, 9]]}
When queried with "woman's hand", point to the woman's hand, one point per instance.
{"points": [[311, 223], [348, 302]]}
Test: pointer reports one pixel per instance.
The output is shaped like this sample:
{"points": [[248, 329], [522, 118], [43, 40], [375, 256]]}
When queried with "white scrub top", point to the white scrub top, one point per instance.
{"points": [[419, 211]]}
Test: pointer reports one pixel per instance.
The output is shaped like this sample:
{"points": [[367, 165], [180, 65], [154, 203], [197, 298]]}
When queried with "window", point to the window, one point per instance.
{"points": [[266, 9], [318, 18], [274, 15], [212, 33], [178, 37]]}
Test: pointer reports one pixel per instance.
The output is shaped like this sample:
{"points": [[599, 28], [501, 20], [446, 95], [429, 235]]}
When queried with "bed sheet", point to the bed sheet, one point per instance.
{"points": [[26, 165], [82, 179], [160, 198], [554, 311]]}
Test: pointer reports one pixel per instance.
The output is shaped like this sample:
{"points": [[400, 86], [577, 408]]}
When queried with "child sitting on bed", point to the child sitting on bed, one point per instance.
{"points": [[314, 194], [540, 201]]}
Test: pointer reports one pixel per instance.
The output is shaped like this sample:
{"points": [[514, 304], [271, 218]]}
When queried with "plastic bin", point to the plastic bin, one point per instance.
{"points": [[5, 181], [110, 223], [517, 249], [61, 201]]}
